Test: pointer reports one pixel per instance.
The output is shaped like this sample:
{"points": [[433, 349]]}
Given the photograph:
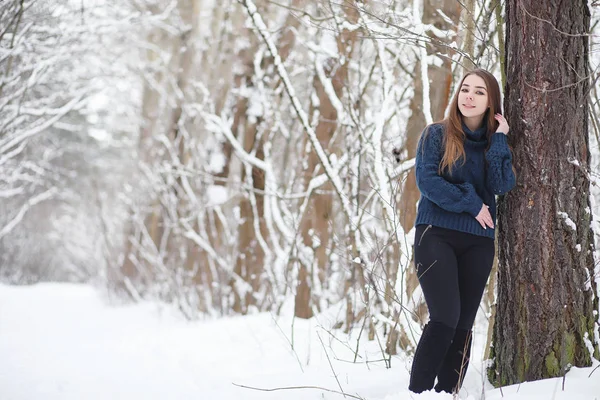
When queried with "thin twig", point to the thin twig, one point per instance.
{"points": [[553, 25], [302, 13], [464, 361], [298, 387], [331, 365], [545, 90], [598, 366], [342, 343], [332, 175], [358, 339], [290, 342]]}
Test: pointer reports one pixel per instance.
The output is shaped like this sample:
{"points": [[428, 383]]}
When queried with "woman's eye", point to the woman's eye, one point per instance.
{"points": [[480, 92]]}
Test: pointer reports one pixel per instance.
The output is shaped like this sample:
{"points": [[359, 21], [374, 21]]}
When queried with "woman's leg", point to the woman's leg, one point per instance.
{"points": [[474, 266], [436, 266], [437, 269], [456, 362]]}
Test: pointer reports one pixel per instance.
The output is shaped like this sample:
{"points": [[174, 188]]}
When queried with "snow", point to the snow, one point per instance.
{"points": [[99, 134], [567, 220], [64, 341], [216, 162], [282, 72], [217, 194]]}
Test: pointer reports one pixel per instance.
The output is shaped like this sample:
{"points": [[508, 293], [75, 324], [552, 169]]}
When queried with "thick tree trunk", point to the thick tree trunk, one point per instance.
{"points": [[546, 287], [220, 81], [468, 18], [158, 247], [136, 271], [250, 263], [440, 79], [316, 223], [440, 76]]}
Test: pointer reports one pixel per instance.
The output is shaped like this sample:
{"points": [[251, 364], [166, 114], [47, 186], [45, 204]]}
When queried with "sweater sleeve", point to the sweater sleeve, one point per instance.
{"points": [[452, 197], [500, 177]]}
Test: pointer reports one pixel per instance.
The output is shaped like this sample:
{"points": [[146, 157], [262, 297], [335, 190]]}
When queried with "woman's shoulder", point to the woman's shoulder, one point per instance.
{"points": [[434, 131], [437, 128]]}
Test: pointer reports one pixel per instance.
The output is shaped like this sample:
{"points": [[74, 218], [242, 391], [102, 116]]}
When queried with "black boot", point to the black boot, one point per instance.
{"points": [[454, 367], [432, 347]]}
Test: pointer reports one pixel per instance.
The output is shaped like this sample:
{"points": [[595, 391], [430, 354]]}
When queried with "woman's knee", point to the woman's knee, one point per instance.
{"points": [[449, 316], [448, 322]]}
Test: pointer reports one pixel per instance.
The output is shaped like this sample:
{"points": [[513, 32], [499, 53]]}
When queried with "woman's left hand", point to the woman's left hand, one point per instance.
{"points": [[503, 127]]}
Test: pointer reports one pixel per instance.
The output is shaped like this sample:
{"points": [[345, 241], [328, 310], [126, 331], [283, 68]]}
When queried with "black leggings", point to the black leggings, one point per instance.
{"points": [[453, 268]]}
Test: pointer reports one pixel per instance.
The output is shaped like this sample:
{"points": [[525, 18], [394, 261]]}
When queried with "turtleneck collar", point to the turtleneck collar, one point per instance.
{"points": [[477, 136]]}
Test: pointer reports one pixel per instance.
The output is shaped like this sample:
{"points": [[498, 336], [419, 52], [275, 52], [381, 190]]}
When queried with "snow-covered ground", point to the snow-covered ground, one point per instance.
{"points": [[63, 341]]}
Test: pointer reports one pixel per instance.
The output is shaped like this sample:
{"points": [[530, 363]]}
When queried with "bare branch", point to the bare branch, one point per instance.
{"points": [[299, 387]]}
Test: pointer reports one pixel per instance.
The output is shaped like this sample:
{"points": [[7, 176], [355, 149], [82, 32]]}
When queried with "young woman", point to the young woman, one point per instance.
{"points": [[462, 163]]}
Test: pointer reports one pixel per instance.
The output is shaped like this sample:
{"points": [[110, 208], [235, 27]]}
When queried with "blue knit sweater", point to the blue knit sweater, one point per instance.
{"points": [[453, 200]]}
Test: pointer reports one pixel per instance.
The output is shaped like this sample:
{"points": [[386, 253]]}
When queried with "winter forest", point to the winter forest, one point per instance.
{"points": [[255, 157]]}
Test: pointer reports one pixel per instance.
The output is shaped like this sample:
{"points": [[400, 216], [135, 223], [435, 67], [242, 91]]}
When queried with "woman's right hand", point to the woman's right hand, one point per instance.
{"points": [[484, 217]]}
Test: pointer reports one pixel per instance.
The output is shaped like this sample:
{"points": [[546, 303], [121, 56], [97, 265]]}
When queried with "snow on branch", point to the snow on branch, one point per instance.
{"points": [[381, 179], [329, 171], [224, 128], [13, 140], [26, 207], [567, 220], [424, 68]]}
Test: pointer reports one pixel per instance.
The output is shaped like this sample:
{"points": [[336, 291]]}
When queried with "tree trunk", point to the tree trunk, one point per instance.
{"points": [[250, 264], [546, 286], [315, 227], [440, 78], [440, 81], [134, 273], [161, 249], [469, 45]]}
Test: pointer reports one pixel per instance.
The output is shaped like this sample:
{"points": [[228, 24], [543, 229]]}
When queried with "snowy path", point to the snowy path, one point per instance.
{"points": [[62, 342]]}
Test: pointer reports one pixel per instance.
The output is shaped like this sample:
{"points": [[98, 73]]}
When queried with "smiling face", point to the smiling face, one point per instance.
{"points": [[473, 97]]}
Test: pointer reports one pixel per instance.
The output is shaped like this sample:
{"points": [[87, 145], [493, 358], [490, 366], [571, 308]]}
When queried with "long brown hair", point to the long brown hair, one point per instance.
{"points": [[454, 149]]}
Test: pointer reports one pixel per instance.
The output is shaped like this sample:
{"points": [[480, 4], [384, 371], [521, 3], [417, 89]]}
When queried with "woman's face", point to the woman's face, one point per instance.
{"points": [[473, 97]]}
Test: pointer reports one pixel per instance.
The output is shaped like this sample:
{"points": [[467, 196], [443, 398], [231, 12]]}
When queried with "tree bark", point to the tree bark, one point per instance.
{"points": [[439, 93], [546, 285], [469, 45], [250, 263], [163, 250], [441, 78], [317, 219]]}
